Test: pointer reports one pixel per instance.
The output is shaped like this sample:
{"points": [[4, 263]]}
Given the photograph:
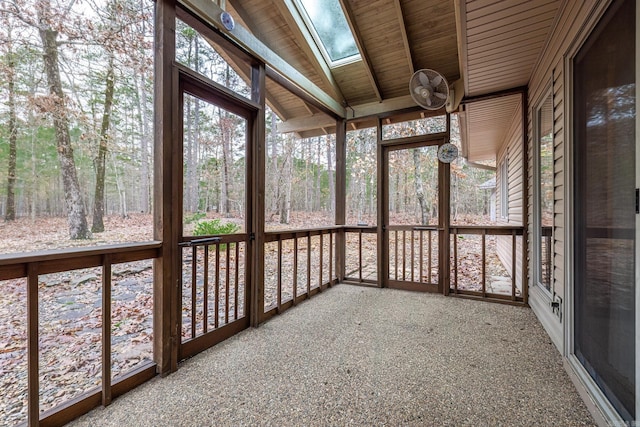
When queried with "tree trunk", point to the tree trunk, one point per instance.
{"points": [[195, 159], [146, 131], [332, 194], [287, 174], [10, 213], [424, 214], [224, 184], [275, 179], [317, 197], [122, 195], [76, 214], [227, 123], [98, 201], [144, 146], [307, 190]]}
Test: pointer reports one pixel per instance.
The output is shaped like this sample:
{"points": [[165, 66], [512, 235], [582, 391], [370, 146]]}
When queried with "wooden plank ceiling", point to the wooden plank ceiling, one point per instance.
{"points": [[489, 45], [396, 37]]}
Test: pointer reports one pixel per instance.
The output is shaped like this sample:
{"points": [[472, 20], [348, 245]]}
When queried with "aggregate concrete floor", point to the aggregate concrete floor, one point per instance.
{"points": [[367, 357]]}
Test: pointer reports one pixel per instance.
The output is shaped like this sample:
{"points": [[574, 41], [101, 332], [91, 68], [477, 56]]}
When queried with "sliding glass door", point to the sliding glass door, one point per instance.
{"points": [[605, 206]]}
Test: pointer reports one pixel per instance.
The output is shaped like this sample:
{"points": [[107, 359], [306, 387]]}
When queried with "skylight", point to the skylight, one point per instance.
{"points": [[329, 25]]}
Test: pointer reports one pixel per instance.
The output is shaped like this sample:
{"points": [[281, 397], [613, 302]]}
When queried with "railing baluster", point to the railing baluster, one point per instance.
{"points": [[396, 250], [404, 254], [106, 330], [484, 263], [216, 301], [205, 291], [421, 258], [360, 256], [226, 284], [412, 255], [430, 254], [455, 262], [295, 270], [308, 264], [513, 265], [321, 258], [194, 294], [237, 285], [331, 274], [279, 274]]}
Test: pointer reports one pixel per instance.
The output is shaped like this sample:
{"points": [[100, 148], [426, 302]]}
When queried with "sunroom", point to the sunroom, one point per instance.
{"points": [[238, 157]]}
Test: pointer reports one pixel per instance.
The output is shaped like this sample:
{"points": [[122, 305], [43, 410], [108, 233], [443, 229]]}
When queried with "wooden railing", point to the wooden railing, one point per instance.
{"points": [[485, 275], [361, 262], [413, 254], [284, 248], [214, 296], [29, 269], [214, 292]]}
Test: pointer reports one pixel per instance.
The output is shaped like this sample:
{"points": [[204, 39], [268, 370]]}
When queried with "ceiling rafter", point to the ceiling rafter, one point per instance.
{"points": [[348, 13], [311, 50], [405, 38]]}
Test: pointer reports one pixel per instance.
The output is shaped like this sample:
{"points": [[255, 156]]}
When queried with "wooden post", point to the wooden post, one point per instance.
{"points": [[341, 196], [166, 281], [106, 330], [383, 209], [255, 197], [33, 377], [444, 219]]}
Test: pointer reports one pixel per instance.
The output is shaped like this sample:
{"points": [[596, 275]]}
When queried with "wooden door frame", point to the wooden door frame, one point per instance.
{"points": [[196, 85], [444, 169]]}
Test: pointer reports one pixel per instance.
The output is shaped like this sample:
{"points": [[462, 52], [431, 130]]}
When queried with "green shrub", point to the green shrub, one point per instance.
{"points": [[215, 227], [196, 216]]}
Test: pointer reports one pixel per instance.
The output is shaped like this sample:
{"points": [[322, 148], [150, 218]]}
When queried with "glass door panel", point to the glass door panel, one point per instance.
{"points": [[605, 175]]}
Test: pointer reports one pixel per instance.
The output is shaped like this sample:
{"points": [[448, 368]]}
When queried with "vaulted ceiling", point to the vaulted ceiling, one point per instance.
{"points": [[481, 46]]}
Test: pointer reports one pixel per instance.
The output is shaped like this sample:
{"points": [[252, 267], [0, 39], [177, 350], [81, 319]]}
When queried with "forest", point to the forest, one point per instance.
{"points": [[76, 136]]}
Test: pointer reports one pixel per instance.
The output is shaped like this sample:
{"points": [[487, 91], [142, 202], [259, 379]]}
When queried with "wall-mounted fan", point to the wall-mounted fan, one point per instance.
{"points": [[429, 89]]}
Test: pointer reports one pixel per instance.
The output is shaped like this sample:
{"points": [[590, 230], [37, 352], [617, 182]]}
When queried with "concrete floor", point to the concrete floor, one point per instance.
{"points": [[365, 357]]}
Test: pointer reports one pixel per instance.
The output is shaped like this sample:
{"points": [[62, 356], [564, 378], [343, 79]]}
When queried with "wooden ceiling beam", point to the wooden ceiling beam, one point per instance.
{"points": [[460, 9], [405, 38], [348, 13], [375, 108], [299, 28], [316, 121]]}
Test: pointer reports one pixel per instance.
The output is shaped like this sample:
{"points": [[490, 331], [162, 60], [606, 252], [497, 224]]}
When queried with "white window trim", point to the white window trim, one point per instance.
{"points": [[504, 188], [537, 199]]}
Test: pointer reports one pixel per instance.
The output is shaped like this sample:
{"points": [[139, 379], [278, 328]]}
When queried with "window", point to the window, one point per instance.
{"points": [[504, 189], [543, 191], [328, 25]]}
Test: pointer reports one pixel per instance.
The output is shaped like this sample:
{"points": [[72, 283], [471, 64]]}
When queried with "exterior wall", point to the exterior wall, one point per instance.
{"points": [[573, 23], [512, 152], [550, 72]]}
